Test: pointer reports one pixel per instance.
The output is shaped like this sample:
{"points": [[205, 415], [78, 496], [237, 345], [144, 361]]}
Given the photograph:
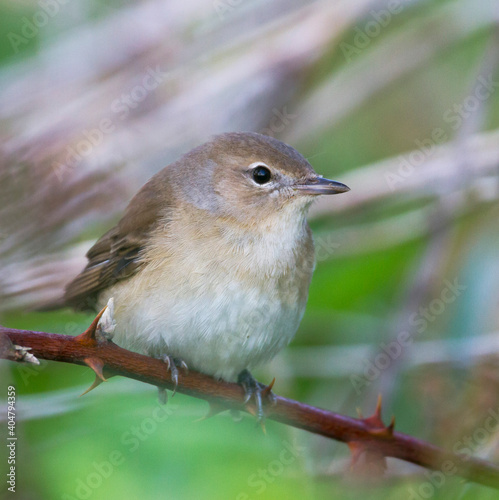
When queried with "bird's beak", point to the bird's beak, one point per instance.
{"points": [[319, 185]]}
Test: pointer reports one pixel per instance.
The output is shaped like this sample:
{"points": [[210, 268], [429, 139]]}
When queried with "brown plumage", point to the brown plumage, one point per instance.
{"points": [[213, 257], [116, 255]]}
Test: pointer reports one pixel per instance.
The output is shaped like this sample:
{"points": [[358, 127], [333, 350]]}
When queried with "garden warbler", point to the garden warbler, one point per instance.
{"points": [[211, 263]]}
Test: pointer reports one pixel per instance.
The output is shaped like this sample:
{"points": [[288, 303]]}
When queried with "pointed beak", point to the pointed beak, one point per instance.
{"points": [[319, 185]]}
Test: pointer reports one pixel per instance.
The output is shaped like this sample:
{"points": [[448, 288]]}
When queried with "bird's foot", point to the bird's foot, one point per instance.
{"points": [[173, 364], [261, 394]]}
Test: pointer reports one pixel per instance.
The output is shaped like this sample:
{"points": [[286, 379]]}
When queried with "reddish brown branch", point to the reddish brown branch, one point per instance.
{"points": [[365, 435]]}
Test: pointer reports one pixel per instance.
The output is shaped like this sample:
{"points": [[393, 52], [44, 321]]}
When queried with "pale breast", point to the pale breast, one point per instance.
{"points": [[221, 305]]}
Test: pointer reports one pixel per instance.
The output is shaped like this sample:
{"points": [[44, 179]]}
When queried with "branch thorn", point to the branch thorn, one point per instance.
{"points": [[95, 384], [88, 336], [268, 389], [262, 425], [374, 461], [97, 365]]}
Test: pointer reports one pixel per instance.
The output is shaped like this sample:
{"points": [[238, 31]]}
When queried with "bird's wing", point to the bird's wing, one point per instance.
{"points": [[116, 255]]}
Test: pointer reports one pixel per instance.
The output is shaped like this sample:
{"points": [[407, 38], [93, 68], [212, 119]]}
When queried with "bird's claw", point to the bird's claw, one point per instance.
{"points": [[173, 365], [261, 394]]}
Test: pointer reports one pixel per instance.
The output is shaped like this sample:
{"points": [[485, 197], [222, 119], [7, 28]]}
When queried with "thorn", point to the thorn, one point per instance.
{"points": [[268, 389], [262, 425], [375, 421], [374, 461], [95, 384], [88, 336], [251, 410], [359, 412], [375, 424], [391, 426], [214, 409], [385, 432], [97, 365]]}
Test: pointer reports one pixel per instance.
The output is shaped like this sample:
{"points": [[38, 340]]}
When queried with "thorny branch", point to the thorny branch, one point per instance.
{"points": [[366, 437]]}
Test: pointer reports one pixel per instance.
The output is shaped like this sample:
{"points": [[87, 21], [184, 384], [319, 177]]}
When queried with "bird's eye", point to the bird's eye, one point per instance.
{"points": [[261, 174]]}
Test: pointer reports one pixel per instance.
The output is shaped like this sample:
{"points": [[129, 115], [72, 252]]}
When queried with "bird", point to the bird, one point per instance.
{"points": [[210, 265]]}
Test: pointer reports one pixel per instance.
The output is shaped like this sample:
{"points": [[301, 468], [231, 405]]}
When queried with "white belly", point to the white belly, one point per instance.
{"points": [[216, 330], [220, 308]]}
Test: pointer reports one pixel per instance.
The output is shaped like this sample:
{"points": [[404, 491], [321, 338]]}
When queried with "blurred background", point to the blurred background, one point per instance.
{"points": [[397, 99]]}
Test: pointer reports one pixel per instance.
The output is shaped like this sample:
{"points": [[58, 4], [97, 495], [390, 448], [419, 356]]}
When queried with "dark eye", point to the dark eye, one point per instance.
{"points": [[261, 174]]}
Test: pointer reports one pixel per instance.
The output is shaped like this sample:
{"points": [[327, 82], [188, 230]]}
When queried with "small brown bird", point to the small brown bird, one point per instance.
{"points": [[212, 261]]}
